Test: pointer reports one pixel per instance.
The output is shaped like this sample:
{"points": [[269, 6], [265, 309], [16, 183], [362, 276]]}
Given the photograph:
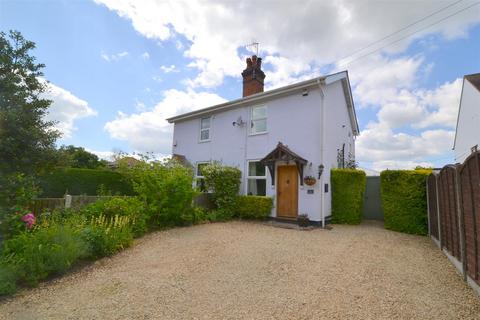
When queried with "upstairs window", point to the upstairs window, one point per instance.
{"points": [[258, 120], [256, 179], [205, 124]]}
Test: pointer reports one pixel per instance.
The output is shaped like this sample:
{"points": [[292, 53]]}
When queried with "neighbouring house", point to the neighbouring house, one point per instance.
{"points": [[280, 139], [129, 162], [467, 134]]}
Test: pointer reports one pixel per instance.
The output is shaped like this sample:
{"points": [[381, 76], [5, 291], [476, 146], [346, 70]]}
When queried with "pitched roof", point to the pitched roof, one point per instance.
{"points": [[474, 79], [323, 80]]}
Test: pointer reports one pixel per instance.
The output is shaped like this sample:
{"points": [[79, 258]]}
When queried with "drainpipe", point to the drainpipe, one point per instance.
{"points": [[322, 150]]}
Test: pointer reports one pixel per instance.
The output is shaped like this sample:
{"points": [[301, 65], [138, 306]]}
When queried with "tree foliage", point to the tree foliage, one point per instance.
{"points": [[27, 140], [78, 157]]}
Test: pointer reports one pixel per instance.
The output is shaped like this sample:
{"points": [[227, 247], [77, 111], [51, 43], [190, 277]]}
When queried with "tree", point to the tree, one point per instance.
{"points": [[78, 157], [27, 140]]}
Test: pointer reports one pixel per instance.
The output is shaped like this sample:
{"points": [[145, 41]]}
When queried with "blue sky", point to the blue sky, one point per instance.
{"points": [[119, 68]]}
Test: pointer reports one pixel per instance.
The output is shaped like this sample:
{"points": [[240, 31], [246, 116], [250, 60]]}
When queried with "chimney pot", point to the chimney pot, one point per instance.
{"points": [[253, 76]]}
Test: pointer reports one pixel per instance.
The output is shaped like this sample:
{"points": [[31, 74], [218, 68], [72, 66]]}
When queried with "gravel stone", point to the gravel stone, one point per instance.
{"points": [[246, 270]]}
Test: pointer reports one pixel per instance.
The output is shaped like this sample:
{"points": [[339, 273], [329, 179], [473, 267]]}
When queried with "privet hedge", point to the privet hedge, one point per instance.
{"points": [[404, 200], [83, 182], [348, 187], [253, 207], [224, 182]]}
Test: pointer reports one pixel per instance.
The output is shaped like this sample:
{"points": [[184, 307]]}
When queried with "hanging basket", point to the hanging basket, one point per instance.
{"points": [[309, 180]]}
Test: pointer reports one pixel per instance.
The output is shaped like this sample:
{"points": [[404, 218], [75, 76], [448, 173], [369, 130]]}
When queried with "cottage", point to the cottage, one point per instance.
{"points": [[467, 134], [285, 141]]}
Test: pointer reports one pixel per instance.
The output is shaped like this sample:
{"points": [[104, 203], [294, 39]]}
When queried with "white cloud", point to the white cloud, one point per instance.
{"points": [[168, 69], [145, 56], [149, 131], [114, 57], [443, 103], [66, 108], [380, 145], [317, 32], [105, 155]]}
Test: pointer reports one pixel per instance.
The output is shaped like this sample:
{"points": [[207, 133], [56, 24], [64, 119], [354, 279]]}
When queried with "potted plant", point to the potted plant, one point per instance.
{"points": [[303, 220], [309, 180]]}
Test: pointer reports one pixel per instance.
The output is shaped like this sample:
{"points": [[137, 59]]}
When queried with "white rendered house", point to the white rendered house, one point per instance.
{"points": [[276, 138], [467, 135]]}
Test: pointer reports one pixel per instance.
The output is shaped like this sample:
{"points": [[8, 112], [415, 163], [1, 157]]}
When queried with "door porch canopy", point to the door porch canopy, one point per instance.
{"points": [[283, 153]]}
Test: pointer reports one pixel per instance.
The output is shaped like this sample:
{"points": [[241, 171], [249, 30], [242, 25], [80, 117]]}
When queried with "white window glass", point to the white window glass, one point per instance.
{"points": [[259, 120], [199, 178], [205, 129], [256, 179]]}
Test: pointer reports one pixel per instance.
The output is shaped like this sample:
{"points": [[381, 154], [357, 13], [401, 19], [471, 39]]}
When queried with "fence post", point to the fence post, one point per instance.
{"points": [[438, 215], [461, 223], [68, 201], [428, 208]]}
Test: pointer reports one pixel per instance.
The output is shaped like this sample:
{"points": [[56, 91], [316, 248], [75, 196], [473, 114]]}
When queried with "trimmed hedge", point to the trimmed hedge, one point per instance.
{"points": [[83, 182], [253, 207], [404, 200], [348, 187]]}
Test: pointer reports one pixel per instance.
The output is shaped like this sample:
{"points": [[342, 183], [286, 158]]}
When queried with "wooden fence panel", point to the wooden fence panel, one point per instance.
{"points": [[432, 206], [448, 211], [470, 186], [42, 204]]}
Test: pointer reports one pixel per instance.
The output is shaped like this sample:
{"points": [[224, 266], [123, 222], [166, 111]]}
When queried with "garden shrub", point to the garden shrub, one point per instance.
{"points": [[224, 183], [166, 189], [404, 200], [253, 207], [8, 280], [16, 194], [106, 236], [131, 207], [348, 187], [43, 252], [84, 182]]}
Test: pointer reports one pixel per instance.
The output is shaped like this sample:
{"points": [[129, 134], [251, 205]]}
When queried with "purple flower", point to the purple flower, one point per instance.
{"points": [[29, 220]]}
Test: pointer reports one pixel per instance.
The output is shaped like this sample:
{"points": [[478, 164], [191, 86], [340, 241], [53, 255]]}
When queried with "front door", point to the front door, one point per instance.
{"points": [[287, 191]]}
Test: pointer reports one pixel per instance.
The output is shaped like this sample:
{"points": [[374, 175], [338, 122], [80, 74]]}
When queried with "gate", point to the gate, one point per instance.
{"points": [[372, 205]]}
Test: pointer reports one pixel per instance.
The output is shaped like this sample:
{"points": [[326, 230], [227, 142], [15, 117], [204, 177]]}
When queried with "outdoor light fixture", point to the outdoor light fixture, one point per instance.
{"points": [[320, 170]]}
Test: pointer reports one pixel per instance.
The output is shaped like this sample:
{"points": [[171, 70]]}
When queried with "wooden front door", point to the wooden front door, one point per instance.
{"points": [[287, 191]]}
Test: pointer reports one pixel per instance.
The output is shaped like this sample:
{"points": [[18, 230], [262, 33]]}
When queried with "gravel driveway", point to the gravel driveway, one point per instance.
{"points": [[242, 270]]}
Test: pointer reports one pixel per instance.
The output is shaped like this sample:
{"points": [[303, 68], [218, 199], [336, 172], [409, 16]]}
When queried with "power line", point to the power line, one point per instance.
{"points": [[400, 30], [410, 34]]}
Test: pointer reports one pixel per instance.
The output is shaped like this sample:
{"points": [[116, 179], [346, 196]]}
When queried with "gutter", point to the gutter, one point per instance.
{"points": [[322, 150]]}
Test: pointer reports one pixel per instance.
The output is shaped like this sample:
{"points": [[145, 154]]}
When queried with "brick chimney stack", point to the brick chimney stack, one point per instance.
{"points": [[253, 76]]}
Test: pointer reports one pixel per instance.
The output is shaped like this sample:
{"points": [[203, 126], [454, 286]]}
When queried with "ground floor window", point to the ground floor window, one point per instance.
{"points": [[256, 179], [199, 178]]}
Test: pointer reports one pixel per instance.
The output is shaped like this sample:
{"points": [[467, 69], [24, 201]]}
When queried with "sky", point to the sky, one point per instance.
{"points": [[118, 68]]}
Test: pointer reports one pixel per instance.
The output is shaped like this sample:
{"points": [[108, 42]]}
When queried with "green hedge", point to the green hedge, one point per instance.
{"points": [[253, 207], [348, 187], [83, 182], [404, 200]]}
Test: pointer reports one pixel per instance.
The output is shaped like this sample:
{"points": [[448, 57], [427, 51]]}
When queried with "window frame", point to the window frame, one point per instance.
{"points": [[197, 177], [200, 140], [252, 132], [249, 177]]}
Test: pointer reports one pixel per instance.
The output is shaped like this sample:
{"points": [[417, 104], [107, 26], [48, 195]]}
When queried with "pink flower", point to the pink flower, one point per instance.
{"points": [[29, 220]]}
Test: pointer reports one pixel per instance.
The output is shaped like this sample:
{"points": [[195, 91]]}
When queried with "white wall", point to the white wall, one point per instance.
{"points": [[294, 120], [468, 129]]}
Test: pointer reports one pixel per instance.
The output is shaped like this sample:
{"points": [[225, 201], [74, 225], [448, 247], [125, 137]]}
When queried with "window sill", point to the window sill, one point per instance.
{"points": [[258, 133], [204, 141]]}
